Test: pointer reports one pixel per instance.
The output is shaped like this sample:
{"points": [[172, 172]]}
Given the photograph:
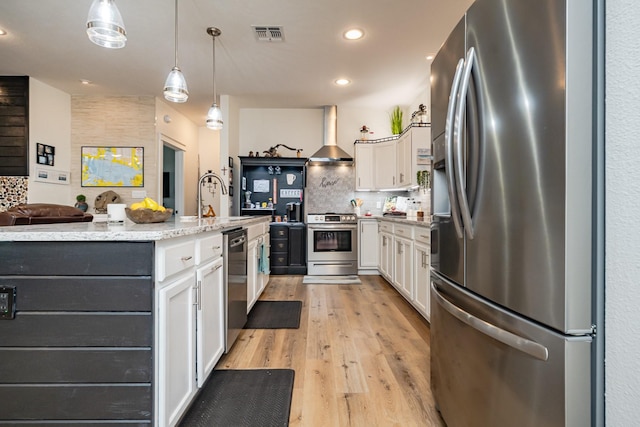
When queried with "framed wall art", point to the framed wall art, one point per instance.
{"points": [[45, 154], [112, 166]]}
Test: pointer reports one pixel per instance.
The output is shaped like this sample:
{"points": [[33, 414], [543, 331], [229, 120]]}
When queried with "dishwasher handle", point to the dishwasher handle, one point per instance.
{"points": [[519, 343]]}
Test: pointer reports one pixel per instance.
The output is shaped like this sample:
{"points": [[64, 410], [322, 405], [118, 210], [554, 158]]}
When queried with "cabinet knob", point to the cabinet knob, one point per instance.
{"points": [[186, 258]]}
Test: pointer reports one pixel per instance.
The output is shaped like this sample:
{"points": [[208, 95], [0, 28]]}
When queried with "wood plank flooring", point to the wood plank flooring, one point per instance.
{"points": [[361, 355]]}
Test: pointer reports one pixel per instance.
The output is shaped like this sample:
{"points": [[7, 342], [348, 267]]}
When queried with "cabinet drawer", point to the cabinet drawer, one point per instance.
{"points": [[405, 231], [173, 258], [422, 234], [208, 248], [279, 245], [279, 232], [279, 259], [254, 231], [385, 226]]}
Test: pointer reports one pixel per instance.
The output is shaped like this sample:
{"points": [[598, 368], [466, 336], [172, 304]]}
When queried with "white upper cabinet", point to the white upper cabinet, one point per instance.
{"points": [[392, 164], [364, 166]]}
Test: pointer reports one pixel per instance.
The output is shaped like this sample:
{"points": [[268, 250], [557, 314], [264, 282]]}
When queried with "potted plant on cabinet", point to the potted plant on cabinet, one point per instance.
{"points": [[81, 202], [423, 179], [396, 121]]}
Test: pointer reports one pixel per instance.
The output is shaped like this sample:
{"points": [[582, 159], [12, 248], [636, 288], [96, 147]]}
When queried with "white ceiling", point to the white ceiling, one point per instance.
{"points": [[47, 40]]}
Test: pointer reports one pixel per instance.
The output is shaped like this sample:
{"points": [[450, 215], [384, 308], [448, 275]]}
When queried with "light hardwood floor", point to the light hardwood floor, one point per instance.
{"points": [[361, 355]]}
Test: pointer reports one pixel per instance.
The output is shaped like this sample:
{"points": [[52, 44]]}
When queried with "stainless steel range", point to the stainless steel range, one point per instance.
{"points": [[332, 244]]}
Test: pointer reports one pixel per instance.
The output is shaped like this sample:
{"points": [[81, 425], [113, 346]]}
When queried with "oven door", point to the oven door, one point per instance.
{"points": [[332, 249]]}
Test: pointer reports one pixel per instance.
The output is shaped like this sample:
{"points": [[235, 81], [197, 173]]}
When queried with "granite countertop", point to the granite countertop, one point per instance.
{"points": [[88, 231], [426, 222]]}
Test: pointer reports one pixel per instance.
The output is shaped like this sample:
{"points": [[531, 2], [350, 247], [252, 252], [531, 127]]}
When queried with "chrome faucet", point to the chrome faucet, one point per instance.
{"points": [[209, 174]]}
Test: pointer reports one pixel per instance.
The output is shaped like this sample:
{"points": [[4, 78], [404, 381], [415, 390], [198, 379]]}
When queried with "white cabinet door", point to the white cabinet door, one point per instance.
{"points": [[421, 278], [364, 167], [176, 348], [263, 276], [403, 270], [403, 161], [385, 165], [210, 317], [253, 287], [368, 244], [386, 256]]}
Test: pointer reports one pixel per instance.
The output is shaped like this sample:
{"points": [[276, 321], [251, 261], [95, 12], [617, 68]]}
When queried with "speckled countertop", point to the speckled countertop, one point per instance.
{"points": [[426, 222], [88, 231]]}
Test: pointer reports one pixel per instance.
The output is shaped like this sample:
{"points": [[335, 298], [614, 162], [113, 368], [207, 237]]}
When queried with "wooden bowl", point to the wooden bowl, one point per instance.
{"points": [[148, 216]]}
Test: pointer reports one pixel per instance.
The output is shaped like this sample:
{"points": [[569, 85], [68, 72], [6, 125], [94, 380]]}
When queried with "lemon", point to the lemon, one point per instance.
{"points": [[150, 203], [138, 205]]}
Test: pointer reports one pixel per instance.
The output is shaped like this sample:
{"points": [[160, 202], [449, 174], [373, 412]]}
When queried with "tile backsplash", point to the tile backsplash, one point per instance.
{"points": [[13, 191], [331, 189]]}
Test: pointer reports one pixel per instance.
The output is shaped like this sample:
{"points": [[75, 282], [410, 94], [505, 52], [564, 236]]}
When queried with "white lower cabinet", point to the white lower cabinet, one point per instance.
{"points": [[368, 246], [257, 279], [190, 314], [210, 324], [176, 349], [404, 261], [252, 274], [403, 266], [386, 255], [421, 278]]}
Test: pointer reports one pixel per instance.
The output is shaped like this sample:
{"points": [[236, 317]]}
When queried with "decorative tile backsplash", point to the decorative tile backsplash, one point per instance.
{"points": [[329, 189], [13, 191]]}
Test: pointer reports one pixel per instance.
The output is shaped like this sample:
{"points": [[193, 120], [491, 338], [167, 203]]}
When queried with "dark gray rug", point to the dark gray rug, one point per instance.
{"points": [[243, 398], [275, 315]]}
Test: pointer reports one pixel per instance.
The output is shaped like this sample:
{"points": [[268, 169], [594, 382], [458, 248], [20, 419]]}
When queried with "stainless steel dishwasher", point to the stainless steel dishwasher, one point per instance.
{"points": [[235, 267]]}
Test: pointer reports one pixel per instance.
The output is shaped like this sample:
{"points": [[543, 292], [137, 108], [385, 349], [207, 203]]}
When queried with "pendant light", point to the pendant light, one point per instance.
{"points": [[105, 26], [214, 116], [175, 87]]}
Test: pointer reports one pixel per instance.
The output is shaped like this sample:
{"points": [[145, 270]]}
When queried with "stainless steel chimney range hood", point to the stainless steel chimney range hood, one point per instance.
{"points": [[330, 154]]}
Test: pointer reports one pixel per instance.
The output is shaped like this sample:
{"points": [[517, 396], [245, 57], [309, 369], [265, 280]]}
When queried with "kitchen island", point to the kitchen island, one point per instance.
{"points": [[98, 322]]}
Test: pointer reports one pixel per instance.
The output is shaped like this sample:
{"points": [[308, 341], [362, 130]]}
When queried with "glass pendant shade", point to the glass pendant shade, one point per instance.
{"points": [[214, 117], [105, 26], [175, 87]]}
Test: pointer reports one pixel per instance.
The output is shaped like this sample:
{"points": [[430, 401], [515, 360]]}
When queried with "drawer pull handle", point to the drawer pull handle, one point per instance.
{"points": [[186, 258], [216, 248], [422, 235], [217, 267]]}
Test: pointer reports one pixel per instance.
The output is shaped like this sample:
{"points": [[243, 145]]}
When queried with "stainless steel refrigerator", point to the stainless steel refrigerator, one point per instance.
{"points": [[515, 289]]}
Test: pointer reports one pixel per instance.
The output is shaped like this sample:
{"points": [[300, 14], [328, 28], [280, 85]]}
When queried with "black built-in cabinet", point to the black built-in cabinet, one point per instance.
{"points": [[288, 239], [288, 248]]}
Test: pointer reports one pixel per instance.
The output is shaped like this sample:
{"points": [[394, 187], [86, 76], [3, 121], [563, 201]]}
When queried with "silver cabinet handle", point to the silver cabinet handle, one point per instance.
{"points": [[519, 343], [186, 258], [217, 267], [459, 156], [448, 156], [216, 248]]}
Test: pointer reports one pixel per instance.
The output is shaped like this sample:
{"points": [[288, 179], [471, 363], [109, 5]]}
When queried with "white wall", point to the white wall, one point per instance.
{"points": [[50, 124], [184, 132], [622, 267]]}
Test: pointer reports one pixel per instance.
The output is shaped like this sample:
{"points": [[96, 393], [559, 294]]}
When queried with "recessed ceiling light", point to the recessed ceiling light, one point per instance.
{"points": [[429, 57], [343, 82], [85, 81], [2, 32], [353, 34]]}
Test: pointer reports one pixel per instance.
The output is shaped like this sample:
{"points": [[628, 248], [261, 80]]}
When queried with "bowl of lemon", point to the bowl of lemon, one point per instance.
{"points": [[148, 211]]}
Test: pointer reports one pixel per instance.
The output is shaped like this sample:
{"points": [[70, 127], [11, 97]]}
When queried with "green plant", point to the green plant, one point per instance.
{"points": [[396, 120], [424, 179], [81, 198]]}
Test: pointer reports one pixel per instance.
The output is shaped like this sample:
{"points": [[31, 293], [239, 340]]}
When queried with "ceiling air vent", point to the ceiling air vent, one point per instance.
{"points": [[268, 33]]}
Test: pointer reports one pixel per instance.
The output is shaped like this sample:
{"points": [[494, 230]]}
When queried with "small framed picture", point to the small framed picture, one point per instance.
{"points": [[230, 162], [45, 154]]}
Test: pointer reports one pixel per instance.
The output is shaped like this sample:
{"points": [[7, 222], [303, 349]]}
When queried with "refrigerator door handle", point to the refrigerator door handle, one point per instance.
{"points": [[448, 155], [519, 343], [458, 134]]}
